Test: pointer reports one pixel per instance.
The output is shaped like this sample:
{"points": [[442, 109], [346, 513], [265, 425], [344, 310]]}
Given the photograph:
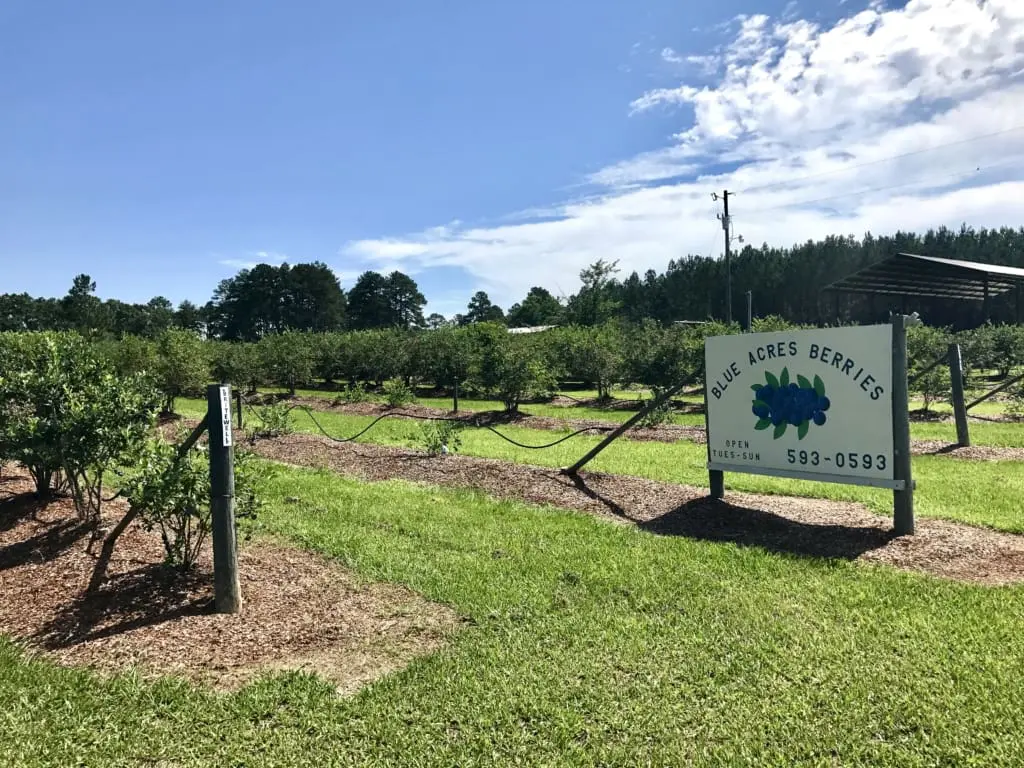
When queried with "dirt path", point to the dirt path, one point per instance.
{"points": [[809, 527]]}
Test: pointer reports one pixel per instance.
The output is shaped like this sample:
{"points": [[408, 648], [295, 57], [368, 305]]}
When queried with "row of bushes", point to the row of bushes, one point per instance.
{"points": [[79, 425], [484, 359], [479, 359]]}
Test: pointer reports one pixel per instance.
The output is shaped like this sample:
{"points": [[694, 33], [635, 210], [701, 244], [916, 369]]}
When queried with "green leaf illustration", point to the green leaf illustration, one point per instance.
{"points": [[803, 382], [780, 430], [761, 402], [819, 386], [763, 424], [756, 387], [801, 431], [784, 378], [770, 378]]}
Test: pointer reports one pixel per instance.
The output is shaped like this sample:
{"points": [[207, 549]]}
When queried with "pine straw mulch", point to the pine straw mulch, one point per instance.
{"points": [[799, 526], [300, 611]]}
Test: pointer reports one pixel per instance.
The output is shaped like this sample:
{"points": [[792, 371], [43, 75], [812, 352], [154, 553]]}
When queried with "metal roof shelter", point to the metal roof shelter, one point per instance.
{"points": [[908, 274]]}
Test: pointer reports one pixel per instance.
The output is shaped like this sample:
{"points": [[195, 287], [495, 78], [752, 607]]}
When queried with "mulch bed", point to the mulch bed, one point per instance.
{"points": [[810, 527], [300, 611], [665, 433]]}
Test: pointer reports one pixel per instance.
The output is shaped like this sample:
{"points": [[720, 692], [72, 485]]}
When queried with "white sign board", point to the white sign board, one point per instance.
{"points": [[225, 415], [813, 404]]}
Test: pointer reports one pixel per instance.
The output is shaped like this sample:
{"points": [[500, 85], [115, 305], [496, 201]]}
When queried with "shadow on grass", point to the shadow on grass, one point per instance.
{"points": [[707, 519], [144, 597]]}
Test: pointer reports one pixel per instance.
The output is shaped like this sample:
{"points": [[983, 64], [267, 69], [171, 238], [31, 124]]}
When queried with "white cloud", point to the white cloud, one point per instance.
{"points": [[670, 56], [871, 124], [255, 258]]}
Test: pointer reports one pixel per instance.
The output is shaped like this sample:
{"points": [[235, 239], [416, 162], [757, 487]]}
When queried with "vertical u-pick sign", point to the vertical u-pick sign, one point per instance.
{"points": [[810, 404], [225, 415]]}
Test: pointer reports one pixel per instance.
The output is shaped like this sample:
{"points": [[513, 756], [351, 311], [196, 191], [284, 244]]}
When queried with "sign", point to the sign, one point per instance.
{"points": [[809, 404], [225, 415]]}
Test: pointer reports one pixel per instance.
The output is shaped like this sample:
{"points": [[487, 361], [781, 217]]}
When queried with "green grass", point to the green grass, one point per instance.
{"points": [[983, 493], [995, 434], [991, 407], [590, 644]]}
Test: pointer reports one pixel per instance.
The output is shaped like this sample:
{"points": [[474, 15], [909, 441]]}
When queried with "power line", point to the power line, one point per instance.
{"points": [[878, 162], [933, 179]]}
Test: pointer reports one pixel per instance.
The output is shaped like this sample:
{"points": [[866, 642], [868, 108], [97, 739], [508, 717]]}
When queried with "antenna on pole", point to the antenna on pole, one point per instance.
{"points": [[726, 224]]}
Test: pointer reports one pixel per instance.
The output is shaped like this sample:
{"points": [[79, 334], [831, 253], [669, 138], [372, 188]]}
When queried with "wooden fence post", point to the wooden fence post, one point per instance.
{"points": [[956, 378], [226, 589]]}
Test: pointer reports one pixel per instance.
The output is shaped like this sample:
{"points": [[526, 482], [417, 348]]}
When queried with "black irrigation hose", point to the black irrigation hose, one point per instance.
{"points": [[309, 412]]}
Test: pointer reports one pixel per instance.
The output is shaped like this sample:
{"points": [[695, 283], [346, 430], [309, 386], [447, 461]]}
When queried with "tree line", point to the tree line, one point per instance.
{"points": [[784, 282]]}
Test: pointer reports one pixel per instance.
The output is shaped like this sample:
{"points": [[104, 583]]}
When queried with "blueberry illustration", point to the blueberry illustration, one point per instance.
{"points": [[819, 418], [823, 403], [762, 411], [777, 419], [795, 419], [765, 393]]}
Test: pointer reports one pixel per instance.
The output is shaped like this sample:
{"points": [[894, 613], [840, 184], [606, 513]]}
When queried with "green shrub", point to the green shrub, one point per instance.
{"points": [[439, 437], [172, 496], [182, 365], [925, 345], [272, 421], [397, 393], [353, 393], [287, 358], [68, 417], [238, 363], [592, 355], [660, 415], [1007, 348], [771, 323]]}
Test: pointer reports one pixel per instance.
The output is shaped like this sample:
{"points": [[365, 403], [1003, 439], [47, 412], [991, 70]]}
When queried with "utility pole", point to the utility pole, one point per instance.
{"points": [[724, 218]]}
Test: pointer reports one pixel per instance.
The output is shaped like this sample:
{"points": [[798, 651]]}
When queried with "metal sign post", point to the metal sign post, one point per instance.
{"points": [[902, 498], [227, 592]]}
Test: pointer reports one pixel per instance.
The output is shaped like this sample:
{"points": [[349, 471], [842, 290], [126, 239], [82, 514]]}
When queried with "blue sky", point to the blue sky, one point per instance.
{"points": [[160, 146]]}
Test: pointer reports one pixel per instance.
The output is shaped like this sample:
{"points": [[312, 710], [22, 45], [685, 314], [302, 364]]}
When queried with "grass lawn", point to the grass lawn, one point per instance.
{"points": [[590, 644], [983, 493]]}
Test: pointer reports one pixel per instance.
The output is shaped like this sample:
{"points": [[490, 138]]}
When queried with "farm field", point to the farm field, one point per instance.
{"points": [[979, 492], [587, 643], [483, 609], [991, 432], [567, 411]]}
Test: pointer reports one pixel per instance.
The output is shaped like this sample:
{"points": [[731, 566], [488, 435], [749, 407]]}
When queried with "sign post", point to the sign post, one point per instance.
{"points": [[826, 404], [226, 589], [902, 498]]}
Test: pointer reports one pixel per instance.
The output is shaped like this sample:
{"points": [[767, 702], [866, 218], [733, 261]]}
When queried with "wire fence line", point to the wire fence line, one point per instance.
{"points": [[420, 417]]}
